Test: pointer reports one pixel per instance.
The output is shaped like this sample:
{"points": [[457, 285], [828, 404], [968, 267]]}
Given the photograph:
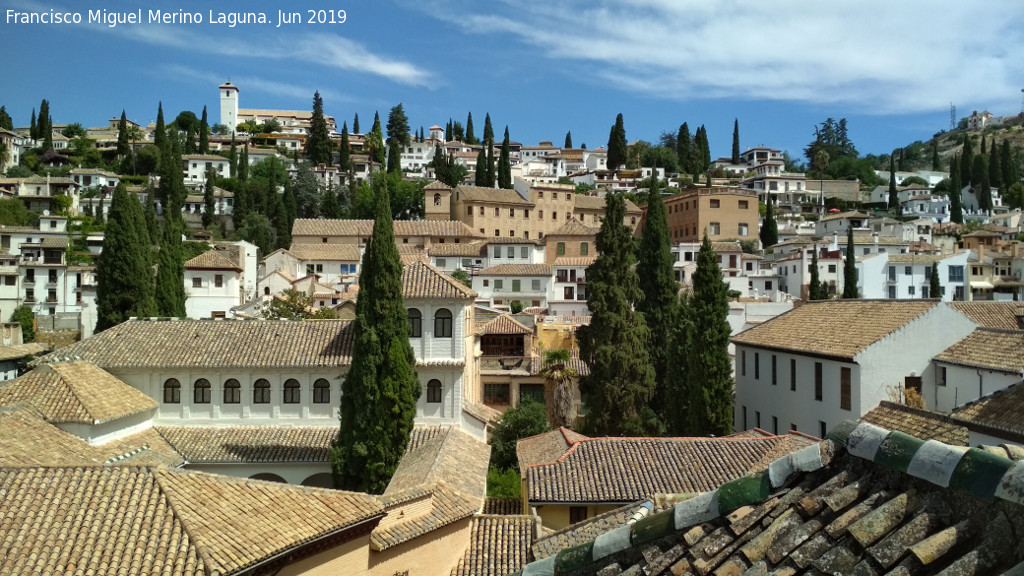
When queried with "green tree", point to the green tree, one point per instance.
{"points": [[124, 285], [470, 137], [291, 207], [318, 145], [209, 204], [769, 227], [204, 134], [684, 149], [295, 305], [527, 419], [818, 290], [45, 125], [1009, 164], [329, 206], [463, 276], [982, 188], [736, 141], [446, 169], [936, 163], [26, 317], [380, 390], [995, 171], [122, 136], [172, 191], [398, 138], [492, 175], [375, 142], [6, 123], [152, 236], [503, 483], [5, 154], [355, 124], [660, 302], [617, 144], [956, 210], [934, 288], [257, 229], [160, 132], [170, 273], [850, 268], [894, 198], [33, 127], [505, 164], [307, 192], [832, 137], [568, 139], [561, 405], [621, 383], [243, 164], [14, 213], [480, 178], [967, 176], [344, 155]]}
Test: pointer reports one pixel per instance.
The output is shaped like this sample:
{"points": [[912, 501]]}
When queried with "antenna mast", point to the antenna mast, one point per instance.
{"points": [[952, 116]]}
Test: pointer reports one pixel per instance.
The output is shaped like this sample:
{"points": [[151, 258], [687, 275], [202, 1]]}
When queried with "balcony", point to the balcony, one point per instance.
{"points": [[517, 365]]}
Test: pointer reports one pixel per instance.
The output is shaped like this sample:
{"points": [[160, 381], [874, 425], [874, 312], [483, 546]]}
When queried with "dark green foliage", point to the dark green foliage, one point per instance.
{"points": [[503, 483], [568, 139], [736, 141], [124, 277], [934, 288], [995, 171], [470, 138], [480, 178], [832, 137], [527, 419], [398, 137], [14, 213], [329, 207], [170, 273], [45, 125], [1009, 163], [318, 145], [660, 157], [355, 124], [457, 132], [123, 147], [850, 268], [894, 198], [979, 172], [160, 133], [233, 158], [204, 134], [936, 163], [187, 125], [380, 390], [209, 206], [769, 227], [23, 315], [956, 210], [33, 127], [344, 156], [6, 122], [171, 191], [660, 303], [307, 192], [291, 209], [446, 169], [243, 164], [966, 164], [621, 385], [617, 144], [914, 181], [684, 149], [279, 217], [375, 142], [818, 290], [702, 148], [505, 164], [463, 276], [257, 229], [901, 165]]}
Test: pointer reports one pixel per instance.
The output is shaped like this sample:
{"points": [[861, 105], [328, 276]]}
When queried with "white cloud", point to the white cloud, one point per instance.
{"points": [[880, 57]]}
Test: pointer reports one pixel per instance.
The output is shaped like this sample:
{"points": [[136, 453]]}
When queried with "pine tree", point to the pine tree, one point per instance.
{"points": [[6, 122], [1006, 162], [122, 136], [398, 138], [481, 169], [850, 268], [736, 141], [355, 124], [380, 390], [617, 144], [621, 384], [170, 273], [209, 202], [934, 288], [318, 145], [470, 137], [769, 228], [204, 134], [956, 210], [344, 159], [894, 197], [124, 285], [568, 139], [505, 164], [329, 207], [660, 302], [817, 290], [684, 149], [995, 171]]}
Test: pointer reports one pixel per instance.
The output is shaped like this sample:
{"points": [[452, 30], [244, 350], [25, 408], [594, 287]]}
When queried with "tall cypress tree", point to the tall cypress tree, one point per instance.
{"points": [[33, 127], [1009, 165], [209, 202], [505, 164], [398, 137], [344, 154], [122, 136], [160, 133], [375, 141], [124, 285], [614, 345], [318, 145], [617, 144], [934, 288], [45, 125], [568, 139], [983, 188], [489, 146], [894, 197], [470, 137], [152, 236], [850, 268], [684, 149], [481, 169], [233, 157], [995, 171], [660, 301], [172, 183], [291, 205], [769, 228], [736, 141], [936, 163], [956, 209], [355, 124], [170, 273], [204, 134], [966, 163], [243, 164], [329, 206], [817, 290], [380, 390]]}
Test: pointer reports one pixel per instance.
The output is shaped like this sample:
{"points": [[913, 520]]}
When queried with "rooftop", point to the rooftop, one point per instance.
{"points": [[1003, 315], [251, 444], [917, 422], [325, 252], [988, 348], [490, 195], [998, 412], [212, 260], [517, 270]]}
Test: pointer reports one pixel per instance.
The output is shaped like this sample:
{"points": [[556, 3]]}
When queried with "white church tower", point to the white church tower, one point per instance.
{"points": [[229, 106]]}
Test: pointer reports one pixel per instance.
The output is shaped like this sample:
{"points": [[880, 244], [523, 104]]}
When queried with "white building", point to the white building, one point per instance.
{"points": [[213, 286], [986, 361], [500, 285], [195, 167], [908, 276], [569, 291]]}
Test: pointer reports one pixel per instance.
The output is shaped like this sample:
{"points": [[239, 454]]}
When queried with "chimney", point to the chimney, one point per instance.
{"points": [[874, 237]]}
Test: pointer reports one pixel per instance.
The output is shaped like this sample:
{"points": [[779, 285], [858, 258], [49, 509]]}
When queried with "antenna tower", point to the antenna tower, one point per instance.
{"points": [[1022, 101], [952, 116]]}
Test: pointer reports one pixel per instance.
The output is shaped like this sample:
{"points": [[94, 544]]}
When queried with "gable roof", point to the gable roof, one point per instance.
{"points": [[574, 228], [917, 422], [503, 324], [217, 343], [517, 270], [498, 545], [251, 444], [490, 195], [1000, 350], [1004, 315], [363, 228], [211, 260], [474, 248], [75, 393], [814, 326], [321, 251], [421, 280], [167, 521], [999, 412]]}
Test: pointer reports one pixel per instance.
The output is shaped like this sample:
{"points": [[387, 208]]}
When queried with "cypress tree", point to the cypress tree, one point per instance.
{"points": [[621, 384], [318, 145], [291, 205], [902, 166], [329, 207], [894, 197], [956, 210], [1009, 176], [568, 139], [489, 145], [769, 228], [850, 268], [209, 203], [152, 236], [160, 133], [375, 141], [122, 136], [243, 164], [45, 125], [995, 171], [355, 124], [398, 137], [380, 390], [934, 288], [204, 134], [617, 144], [6, 122], [660, 301], [449, 133], [983, 150], [233, 157], [170, 273], [172, 184], [936, 164], [344, 159], [470, 138], [282, 225], [817, 290], [966, 161], [505, 164], [33, 128], [481, 169], [124, 285], [684, 149], [736, 141], [983, 189]]}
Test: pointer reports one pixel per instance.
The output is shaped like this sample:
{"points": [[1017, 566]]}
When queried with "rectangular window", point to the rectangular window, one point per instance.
{"points": [[775, 425], [743, 230], [956, 273], [497, 211], [906, 270], [197, 282], [499, 284], [554, 215], [577, 514], [496, 394], [757, 366], [535, 285], [584, 248], [510, 252], [481, 210], [775, 371], [744, 204], [715, 203], [534, 392], [516, 286], [526, 214], [757, 418], [715, 229], [743, 363], [560, 248], [940, 376], [910, 290], [822, 429], [845, 376], [524, 252], [497, 232], [511, 212], [818, 384], [497, 251], [218, 280], [792, 374], [469, 210], [442, 262]]}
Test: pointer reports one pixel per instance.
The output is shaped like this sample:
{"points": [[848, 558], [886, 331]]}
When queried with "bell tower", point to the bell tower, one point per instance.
{"points": [[437, 201], [229, 106]]}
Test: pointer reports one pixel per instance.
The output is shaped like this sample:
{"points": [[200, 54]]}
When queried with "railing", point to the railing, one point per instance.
{"points": [[506, 363]]}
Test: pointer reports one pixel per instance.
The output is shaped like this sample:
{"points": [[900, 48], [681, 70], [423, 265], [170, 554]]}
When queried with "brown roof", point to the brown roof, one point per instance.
{"points": [[915, 258], [19, 351], [251, 444], [517, 270], [490, 195], [498, 545], [575, 260], [503, 506], [1000, 411], [574, 228], [919, 423], [503, 324], [475, 248], [1004, 315], [321, 251], [587, 202], [546, 447], [812, 328], [1001, 350], [585, 531], [126, 520], [75, 393], [421, 280], [363, 228], [222, 343], [631, 469], [211, 260]]}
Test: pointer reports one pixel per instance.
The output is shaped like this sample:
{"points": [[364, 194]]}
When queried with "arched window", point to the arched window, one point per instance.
{"points": [[172, 391], [292, 391], [201, 391], [415, 323], [443, 323], [261, 392], [266, 290], [232, 392], [321, 391], [437, 199], [434, 391]]}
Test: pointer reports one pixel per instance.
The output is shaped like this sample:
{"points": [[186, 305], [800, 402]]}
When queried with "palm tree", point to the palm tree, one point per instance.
{"points": [[560, 377]]}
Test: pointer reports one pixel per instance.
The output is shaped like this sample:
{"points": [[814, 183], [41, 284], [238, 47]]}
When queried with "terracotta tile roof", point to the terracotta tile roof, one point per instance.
{"points": [[475, 248], [75, 393], [1000, 350], [421, 280], [1000, 411], [575, 260], [844, 215], [321, 251], [915, 258], [221, 343], [517, 270], [726, 246], [481, 412], [435, 228], [919, 423], [363, 228], [498, 545], [144, 521], [211, 260], [860, 239], [585, 531], [412, 254], [1004, 315], [813, 326], [490, 195], [867, 501], [504, 324], [19, 351], [250, 444], [546, 447], [574, 228], [503, 506], [437, 185], [421, 434], [631, 469]]}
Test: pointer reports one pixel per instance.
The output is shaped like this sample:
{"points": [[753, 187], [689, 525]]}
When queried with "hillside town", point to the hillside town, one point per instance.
{"points": [[544, 359]]}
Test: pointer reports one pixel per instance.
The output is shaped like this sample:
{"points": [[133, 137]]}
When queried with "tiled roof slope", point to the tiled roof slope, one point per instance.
{"points": [[504, 324], [19, 350], [326, 252], [838, 328], [335, 227], [503, 506], [631, 469], [75, 393], [517, 270], [918, 423], [546, 447], [211, 260], [421, 280], [228, 344], [493, 195], [1001, 411], [574, 228], [1001, 350], [497, 545], [866, 501], [468, 249], [586, 531], [105, 520], [251, 444], [1003, 315]]}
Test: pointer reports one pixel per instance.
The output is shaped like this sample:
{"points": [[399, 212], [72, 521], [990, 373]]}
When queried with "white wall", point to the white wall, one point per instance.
{"points": [[964, 384]]}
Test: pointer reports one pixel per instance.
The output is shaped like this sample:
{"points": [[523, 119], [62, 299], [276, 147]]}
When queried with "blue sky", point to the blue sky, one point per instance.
{"points": [[544, 68]]}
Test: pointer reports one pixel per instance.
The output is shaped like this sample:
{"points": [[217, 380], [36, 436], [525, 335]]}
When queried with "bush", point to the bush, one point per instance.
{"points": [[528, 419], [515, 306], [503, 483], [23, 315]]}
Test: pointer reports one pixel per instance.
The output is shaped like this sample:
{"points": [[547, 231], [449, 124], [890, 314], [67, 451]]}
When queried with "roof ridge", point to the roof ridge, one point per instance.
{"points": [[201, 551], [71, 389]]}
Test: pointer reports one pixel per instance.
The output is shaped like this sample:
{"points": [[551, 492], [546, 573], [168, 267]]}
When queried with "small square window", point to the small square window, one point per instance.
{"points": [[197, 282]]}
